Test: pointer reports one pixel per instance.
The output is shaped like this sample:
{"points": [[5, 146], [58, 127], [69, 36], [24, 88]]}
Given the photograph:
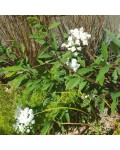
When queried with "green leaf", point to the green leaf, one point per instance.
{"points": [[15, 68], [54, 41], [86, 102], [67, 116], [46, 128], [2, 60], [65, 56], [101, 81], [114, 104], [100, 77], [104, 51], [82, 62], [82, 85], [22, 48], [73, 83], [8, 54], [98, 60], [44, 56], [54, 25], [40, 41], [84, 70], [114, 48], [102, 106], [43, 51], [47, 85], [2, 71], [9, 74], [97, 100], [39, 36], [113, 37], [17, 81], [118, 70], [34, 71], [114, 75]]}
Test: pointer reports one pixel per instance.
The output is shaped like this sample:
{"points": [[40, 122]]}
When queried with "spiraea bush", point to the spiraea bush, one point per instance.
{"points": [[64, 87]]}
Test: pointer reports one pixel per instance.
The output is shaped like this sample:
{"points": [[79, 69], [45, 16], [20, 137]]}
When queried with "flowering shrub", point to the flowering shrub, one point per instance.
{"points": [[69, 86]]}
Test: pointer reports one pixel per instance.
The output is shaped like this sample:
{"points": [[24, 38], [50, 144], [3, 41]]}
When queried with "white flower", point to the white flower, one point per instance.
{"points": [[79, 48], [70, 39], [86, 96], [30, 111], [77, 42], [81, 29], [69, 44], [75, 54], [73, 49], [21, 128], [71, 31], [63, 45], [73, 64], [28, 130], [33, 121], [76, 30], [85, 42]]}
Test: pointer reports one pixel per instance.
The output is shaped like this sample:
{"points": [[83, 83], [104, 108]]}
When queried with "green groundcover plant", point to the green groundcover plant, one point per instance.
{"points": [[66, 84]]}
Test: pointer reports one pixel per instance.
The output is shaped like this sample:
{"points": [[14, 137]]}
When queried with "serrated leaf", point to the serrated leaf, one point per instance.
{"points": [[118, 70], [82, 85], [82, 62], [100, 77], [39, 36], [17, 81], [43, 51], [47, 85], [72, 83], [98, 60], [9, 74], [15, 68], [114, 48], [104, 51], [40, 62], [54, 25], [84, 70], [113, 37], [40, 41], [66, 56], [114, 104], [44, 56]]}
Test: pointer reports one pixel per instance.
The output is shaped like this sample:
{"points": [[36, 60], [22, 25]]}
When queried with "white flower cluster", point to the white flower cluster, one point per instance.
{"points": [[74, 44], [77, 36], [73, 64], [24, 120]]}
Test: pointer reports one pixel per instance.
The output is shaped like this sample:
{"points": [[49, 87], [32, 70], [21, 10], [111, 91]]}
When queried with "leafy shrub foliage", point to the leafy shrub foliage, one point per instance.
{"points": [[58, 94]]}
